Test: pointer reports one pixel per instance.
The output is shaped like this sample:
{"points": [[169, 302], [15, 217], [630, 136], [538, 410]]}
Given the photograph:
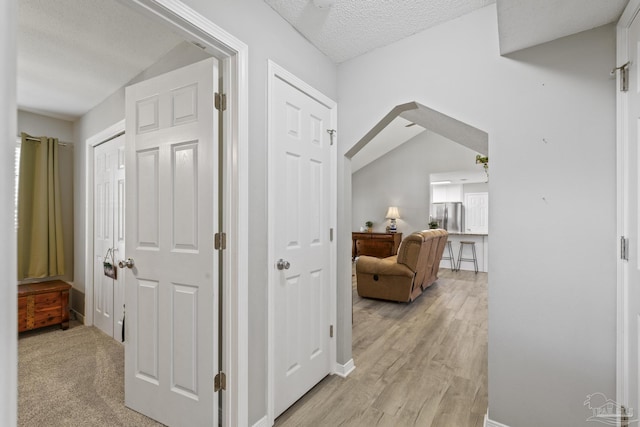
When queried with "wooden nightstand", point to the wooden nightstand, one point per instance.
{"points": [[379, 245], [43, 304]]}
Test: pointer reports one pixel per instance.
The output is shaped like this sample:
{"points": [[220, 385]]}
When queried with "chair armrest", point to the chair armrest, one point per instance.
{"points": [[384, 266]]}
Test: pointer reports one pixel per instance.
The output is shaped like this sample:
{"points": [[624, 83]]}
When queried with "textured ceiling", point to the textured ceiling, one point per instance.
{"points": [[526, 23], [345, 29], [350, 28], [72, 54]]}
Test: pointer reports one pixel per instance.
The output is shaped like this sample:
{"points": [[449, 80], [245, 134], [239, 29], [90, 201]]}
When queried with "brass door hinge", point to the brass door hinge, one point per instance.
{"points": [[220, 241], [219, 382], [220, 101]]}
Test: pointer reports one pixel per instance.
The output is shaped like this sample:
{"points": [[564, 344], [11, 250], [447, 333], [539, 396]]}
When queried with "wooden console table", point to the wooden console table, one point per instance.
{"points": [[379, 245], [43, 304]]}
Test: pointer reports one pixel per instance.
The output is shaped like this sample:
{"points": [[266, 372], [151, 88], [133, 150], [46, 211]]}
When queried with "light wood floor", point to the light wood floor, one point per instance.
{"points": [[417, 364]]}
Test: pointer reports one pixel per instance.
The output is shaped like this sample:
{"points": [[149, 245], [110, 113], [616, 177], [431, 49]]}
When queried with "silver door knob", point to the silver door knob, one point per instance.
{"points": [[283, 265], [126, 263]]}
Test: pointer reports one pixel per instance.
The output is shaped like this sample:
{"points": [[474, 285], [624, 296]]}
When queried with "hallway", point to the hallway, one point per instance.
{"points": [[418, 364]]}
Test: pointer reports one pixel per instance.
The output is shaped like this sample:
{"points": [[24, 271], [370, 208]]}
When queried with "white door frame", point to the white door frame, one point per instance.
{"points": [[8, 253], [233, 55], [277, 72], [622, 142]]}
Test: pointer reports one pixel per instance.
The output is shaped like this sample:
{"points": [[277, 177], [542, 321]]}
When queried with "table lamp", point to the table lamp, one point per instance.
{"points": [[392, 214]]}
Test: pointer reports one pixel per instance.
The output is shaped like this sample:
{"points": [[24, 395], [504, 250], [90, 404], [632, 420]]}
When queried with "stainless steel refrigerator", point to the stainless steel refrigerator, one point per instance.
{"points": [[448, 215]]}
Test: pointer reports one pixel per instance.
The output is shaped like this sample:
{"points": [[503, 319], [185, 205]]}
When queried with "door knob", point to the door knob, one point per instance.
{"points": [[283, 265], [126, 263]]}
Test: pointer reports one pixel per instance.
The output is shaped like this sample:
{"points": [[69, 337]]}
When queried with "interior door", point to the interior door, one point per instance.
{"points": [[476, 212], [630, 397], [301, 268], [108, 230], [171, 346]]}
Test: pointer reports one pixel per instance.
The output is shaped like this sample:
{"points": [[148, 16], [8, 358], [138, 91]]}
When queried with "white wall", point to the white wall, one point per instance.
{"points": [[552, 304], [268, 37], [38, 125], [8, 260], [401, 178]]}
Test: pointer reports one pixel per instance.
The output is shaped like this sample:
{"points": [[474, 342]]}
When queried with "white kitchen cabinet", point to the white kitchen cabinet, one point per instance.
{"points": [[441, 193]]}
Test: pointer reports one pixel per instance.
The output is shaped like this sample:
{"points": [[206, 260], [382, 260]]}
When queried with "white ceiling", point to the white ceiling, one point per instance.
{"points": [[391, 132], [470, 176], [345, 29], [526, 23], [350, 28], [393, 135], [73, 54], [447, 126]]}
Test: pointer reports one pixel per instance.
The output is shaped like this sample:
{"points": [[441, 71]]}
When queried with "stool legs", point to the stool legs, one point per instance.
{"points": [[473, 252], [451, 259]]}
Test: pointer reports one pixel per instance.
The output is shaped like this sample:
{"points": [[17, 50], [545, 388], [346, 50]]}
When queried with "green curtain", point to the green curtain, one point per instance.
{"points": [[40, 249]]}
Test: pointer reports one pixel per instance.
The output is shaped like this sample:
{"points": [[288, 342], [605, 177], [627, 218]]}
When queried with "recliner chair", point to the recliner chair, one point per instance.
{"points": [[404, 276]]}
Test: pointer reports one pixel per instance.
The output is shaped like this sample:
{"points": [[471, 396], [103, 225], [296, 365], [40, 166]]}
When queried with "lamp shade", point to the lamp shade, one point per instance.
{"points": [[392, 213]]}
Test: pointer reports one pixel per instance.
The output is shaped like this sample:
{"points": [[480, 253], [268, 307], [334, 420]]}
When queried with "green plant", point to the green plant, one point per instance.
{"points": [[433, 224], [369, 224], [484, 161]]}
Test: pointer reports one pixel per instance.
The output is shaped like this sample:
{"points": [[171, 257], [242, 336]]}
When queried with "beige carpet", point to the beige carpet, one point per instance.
{"points": [[72, 378]]}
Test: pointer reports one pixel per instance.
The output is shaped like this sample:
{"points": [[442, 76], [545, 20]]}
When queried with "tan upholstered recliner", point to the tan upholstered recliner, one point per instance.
{"points": [[403, 277]]}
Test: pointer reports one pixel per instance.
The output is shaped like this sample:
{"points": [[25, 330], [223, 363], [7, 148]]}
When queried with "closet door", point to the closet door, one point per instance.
{"points": [[108, 229]]}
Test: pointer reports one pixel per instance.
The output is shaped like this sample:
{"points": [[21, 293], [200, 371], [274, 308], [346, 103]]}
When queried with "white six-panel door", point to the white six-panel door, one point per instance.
{"points": [[301, 200], [171, 161], [108, 230], [476, 212]]}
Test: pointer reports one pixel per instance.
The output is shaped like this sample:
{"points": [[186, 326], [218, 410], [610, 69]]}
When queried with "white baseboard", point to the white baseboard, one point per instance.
{"points": [[262, 422], [489, 423], [79, 316], [344, 370]]}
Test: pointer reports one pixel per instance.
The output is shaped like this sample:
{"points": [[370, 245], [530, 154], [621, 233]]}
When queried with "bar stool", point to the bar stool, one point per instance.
{"points": [[473, 252], [451, 259]]}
